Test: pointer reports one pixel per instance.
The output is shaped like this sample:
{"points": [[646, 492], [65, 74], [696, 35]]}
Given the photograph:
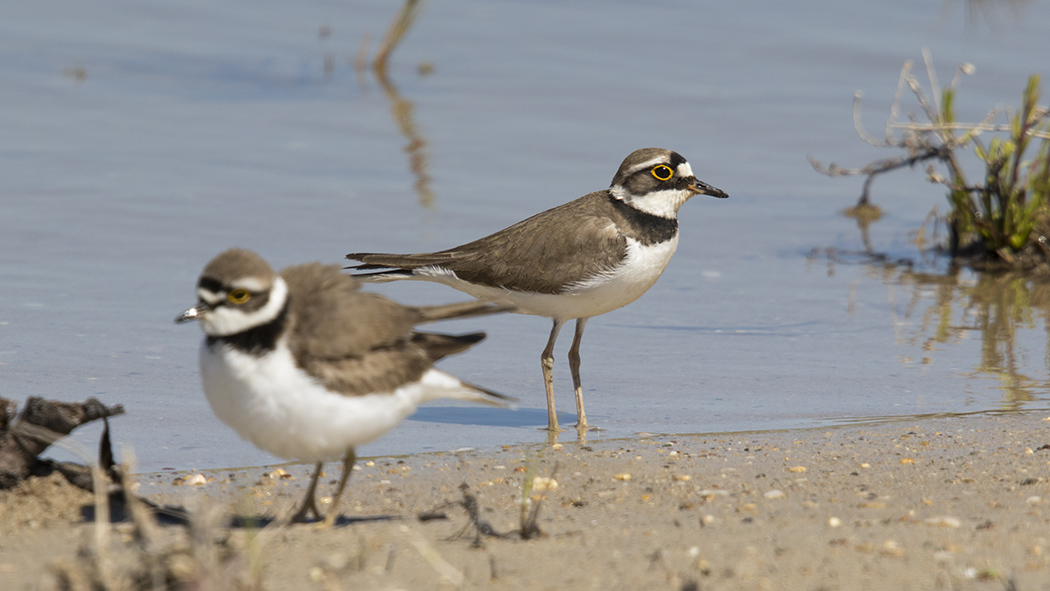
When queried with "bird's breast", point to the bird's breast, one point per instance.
{"points": [[269, 401], [606, 290]]}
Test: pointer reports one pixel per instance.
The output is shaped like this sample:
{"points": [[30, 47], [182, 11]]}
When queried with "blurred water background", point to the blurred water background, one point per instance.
{"points": [[139, 139]]}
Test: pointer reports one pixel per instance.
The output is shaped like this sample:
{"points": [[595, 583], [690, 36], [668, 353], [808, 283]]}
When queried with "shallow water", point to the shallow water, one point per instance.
{"points": [[140, 140]]}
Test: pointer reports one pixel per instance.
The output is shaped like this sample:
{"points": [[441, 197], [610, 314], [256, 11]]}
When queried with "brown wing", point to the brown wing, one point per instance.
{"points": [[387, 368], [334, 320], [380, 370], [356, 343], [575, 240]]}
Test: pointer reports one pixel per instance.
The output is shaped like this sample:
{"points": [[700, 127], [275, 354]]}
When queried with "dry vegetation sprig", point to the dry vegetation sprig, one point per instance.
{"points": [[142, 558], [530, 506], [528, 509], [1000, 221]]}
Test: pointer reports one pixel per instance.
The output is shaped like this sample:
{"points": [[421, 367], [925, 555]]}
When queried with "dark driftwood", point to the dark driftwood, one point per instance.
{"points": [[24, 436]]}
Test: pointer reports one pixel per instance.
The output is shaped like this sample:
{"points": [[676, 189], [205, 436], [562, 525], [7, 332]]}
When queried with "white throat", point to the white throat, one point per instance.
{"points": [[664, 204]]}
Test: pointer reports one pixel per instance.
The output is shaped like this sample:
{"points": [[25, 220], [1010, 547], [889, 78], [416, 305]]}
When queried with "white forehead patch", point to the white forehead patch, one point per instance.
{"points": [[252, 284], [685, 170], [646, 164], [207, 296]]}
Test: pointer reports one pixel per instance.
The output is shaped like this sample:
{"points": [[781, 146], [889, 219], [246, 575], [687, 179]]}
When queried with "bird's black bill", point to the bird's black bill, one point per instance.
{"points": [[193, 313], [701, 188]]}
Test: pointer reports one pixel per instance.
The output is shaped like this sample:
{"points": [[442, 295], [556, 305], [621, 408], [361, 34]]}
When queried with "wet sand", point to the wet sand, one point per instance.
{"points": [[930, 503]]}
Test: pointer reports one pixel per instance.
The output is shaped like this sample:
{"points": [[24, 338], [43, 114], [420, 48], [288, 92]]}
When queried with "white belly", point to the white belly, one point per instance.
{"points": [[589, 297], [271, 403]]}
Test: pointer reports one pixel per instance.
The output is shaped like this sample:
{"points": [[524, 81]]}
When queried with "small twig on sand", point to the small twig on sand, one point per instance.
{"points": [[530, 519], [26, 435]]}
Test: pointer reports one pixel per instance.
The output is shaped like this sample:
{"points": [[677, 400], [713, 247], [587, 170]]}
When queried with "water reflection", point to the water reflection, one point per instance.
{"points": [[367, 68], [988, 12], [401, 108], [995, 307], [932, 310], [417, 157]]}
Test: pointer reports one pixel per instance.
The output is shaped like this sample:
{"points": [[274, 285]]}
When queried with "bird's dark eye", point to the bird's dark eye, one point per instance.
{"points": [[662, 172], [239, 296]]}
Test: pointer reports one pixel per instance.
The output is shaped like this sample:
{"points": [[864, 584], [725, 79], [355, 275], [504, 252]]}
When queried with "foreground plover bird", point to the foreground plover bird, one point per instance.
{"points": [[581, 259], [307, 367]]}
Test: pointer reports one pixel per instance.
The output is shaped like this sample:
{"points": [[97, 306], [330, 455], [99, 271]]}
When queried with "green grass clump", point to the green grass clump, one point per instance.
{"points": [[1006, 208], [1001, 222]]}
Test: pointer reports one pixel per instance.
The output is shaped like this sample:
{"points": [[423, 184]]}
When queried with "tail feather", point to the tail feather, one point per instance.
{"points": [[378, 276], [492, 398], [449, 386], [462, 310], [439, 346], [378, 260]]}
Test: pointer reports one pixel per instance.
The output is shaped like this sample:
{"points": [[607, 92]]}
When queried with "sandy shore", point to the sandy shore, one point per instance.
{"points": [[934, 503]]}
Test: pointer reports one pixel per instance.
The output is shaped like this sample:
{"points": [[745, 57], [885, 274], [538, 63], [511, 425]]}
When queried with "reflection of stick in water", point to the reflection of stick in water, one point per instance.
{"points": [[402, 22], [401, 108]]}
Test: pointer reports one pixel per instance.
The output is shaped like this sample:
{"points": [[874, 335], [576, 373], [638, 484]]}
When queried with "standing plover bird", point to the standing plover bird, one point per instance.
{"points": [[307, 367], [581, 259]]}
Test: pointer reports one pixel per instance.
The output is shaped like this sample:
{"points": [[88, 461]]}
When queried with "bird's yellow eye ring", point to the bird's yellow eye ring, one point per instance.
{"points": [[662, 172], [239, 296]]}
